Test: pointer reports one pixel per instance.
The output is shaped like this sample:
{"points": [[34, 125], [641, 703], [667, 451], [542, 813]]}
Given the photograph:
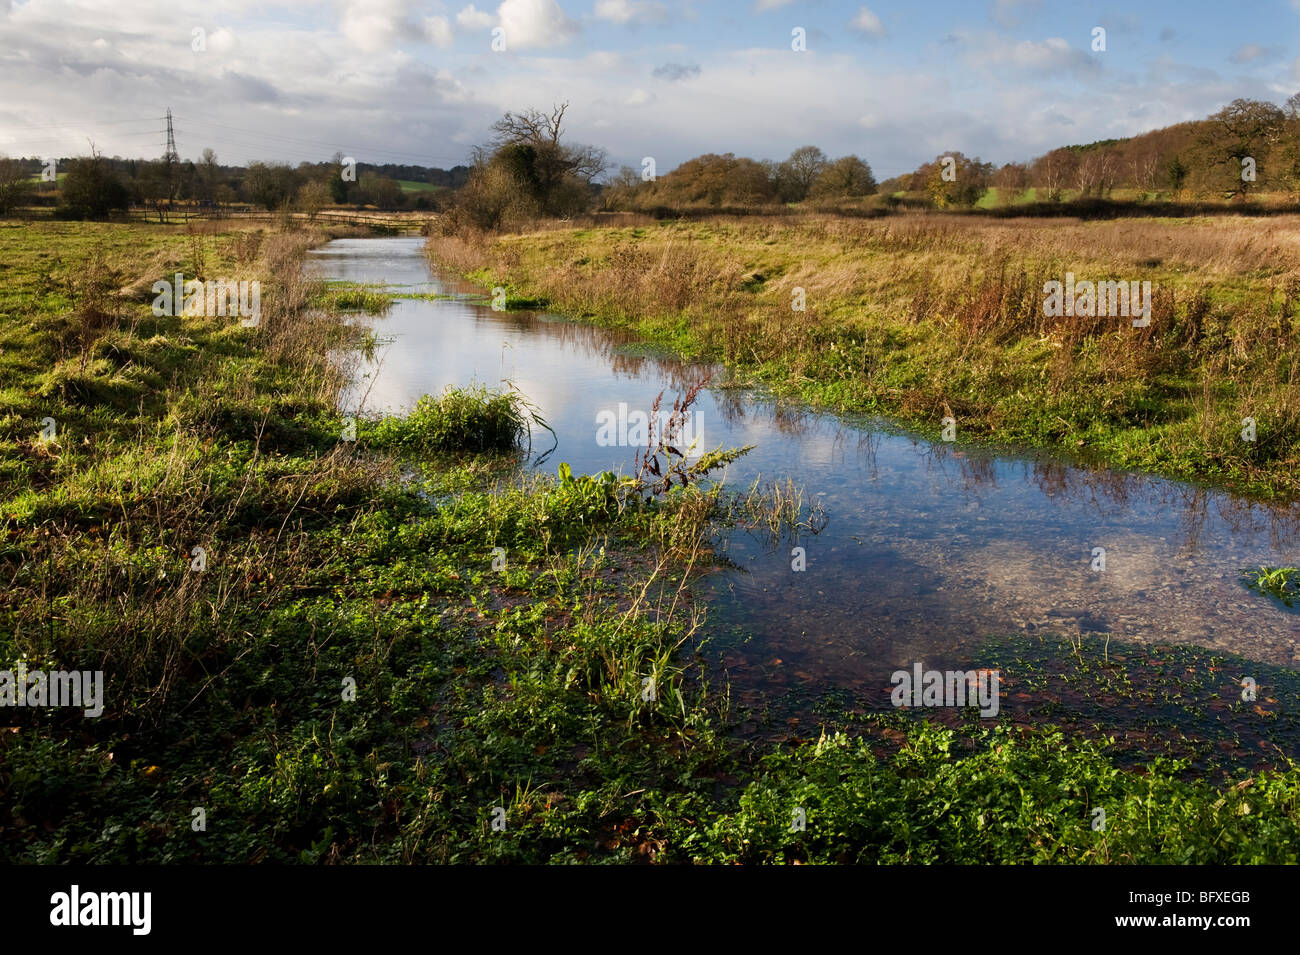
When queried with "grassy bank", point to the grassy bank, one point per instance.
{"points": [[364, 668], [925, 316]]}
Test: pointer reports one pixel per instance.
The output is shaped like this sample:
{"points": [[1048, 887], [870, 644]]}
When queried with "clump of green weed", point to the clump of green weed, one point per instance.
{"points": [[358, 298], [471, 419], [1280, 582]]}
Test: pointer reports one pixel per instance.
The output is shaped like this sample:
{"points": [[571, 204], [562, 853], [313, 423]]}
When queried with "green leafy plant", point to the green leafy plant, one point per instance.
{"points": [[585, 499], [1280, 582]]}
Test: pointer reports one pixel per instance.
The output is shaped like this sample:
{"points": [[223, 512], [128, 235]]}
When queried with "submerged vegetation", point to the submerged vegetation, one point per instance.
{"points": [[312, 657]]}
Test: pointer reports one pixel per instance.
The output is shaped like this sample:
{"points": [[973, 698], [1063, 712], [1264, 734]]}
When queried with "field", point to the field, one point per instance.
{"points": [[346, 677], [409, 186]]}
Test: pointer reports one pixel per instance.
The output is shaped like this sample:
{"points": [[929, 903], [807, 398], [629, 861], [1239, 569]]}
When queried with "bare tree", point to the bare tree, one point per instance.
{"points": [[1052, 171], [312, 197], [798, 173], [1144, 161], [209, 173], [531, 142]]}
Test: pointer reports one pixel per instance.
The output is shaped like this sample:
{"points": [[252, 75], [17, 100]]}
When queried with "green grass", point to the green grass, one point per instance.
{"points": [[1282, 583], [470, 419], [354, 297], [409, 185], [1013, 800]]}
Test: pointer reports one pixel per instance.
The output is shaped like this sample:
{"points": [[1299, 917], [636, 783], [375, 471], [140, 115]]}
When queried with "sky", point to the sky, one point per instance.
{"points": [[896, 83]]}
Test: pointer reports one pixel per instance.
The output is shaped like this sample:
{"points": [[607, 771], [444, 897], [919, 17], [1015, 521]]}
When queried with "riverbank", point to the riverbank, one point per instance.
{"points": [[927, 317], [309, 657]]}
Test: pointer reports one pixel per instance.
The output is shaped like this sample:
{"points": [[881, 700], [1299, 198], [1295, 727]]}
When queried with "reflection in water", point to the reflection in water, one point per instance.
{"points": [[930, 547]]}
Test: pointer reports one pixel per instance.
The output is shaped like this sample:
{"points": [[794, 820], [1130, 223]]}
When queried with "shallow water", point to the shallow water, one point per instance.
{"points": [[929, 548]]}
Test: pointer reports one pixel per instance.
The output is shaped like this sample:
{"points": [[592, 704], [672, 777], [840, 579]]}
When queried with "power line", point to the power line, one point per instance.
{"points": [[409, 159], [150, 134], [61, 144]]}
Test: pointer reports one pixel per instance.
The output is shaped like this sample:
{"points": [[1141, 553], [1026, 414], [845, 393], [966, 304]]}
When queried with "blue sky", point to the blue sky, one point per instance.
{"points": [[403, 81]]}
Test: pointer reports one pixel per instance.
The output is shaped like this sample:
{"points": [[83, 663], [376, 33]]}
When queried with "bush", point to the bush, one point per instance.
{"points": [[91, 190]]}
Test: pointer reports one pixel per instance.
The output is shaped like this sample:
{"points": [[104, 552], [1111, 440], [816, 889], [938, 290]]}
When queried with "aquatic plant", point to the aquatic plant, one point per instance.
{"points": [[472, 419], [1280, 582]]}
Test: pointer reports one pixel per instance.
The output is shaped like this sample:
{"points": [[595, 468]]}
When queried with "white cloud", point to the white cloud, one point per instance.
{"points": [[372, 24], [471, 18], [868, 23], [533, 23], [439, 32], [604, 60], [762, 5], [1248, 52], [221, 41], [1053, 55], [630, 11]]}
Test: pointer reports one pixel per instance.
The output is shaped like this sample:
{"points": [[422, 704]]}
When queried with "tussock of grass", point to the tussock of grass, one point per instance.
{"points": [[470, 419], [348, 297]]}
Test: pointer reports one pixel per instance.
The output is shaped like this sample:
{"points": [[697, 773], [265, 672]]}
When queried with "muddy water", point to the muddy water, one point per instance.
{"points": [[928, 548]]}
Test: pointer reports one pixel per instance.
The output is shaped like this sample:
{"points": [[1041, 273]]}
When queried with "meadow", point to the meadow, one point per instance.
{"points": [[350, 676]]}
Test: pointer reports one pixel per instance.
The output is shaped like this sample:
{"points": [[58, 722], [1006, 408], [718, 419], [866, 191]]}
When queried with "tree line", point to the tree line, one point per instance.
{"points": [[95, 186], [1247, 148], [527, 171]]}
